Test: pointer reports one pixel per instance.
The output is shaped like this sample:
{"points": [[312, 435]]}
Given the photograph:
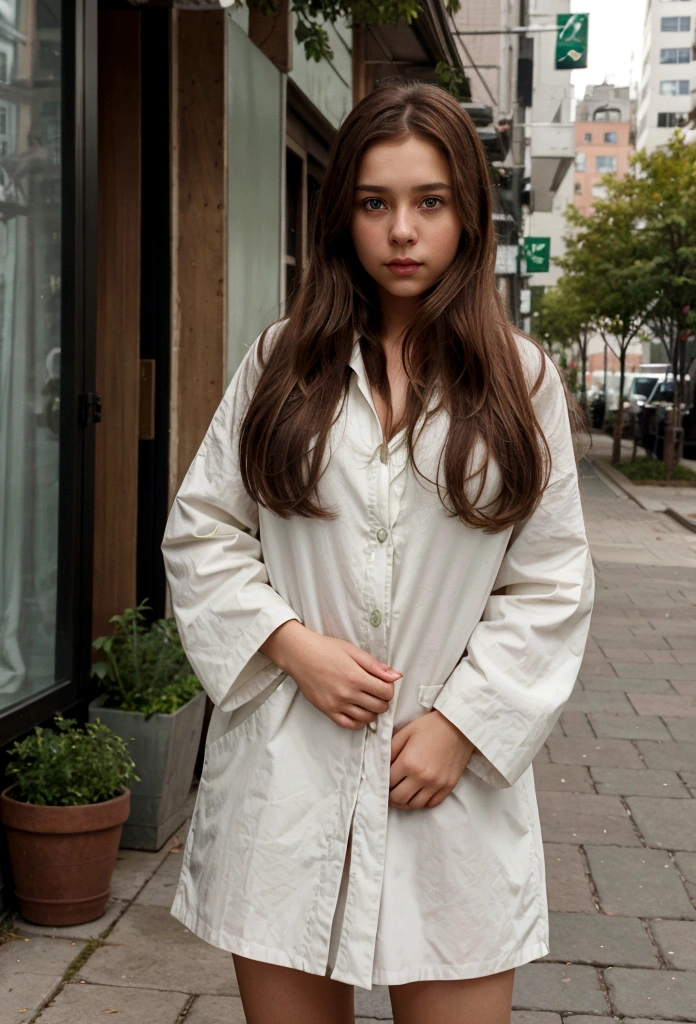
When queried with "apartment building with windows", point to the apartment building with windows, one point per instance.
{"points": [[604, 141], [668, 73]]}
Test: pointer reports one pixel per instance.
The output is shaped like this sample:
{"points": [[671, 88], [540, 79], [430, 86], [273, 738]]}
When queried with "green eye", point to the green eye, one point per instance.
{"points": [[374, 204], [431, 202]]}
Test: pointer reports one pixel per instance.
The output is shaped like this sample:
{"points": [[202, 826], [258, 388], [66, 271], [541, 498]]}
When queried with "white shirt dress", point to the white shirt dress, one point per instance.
{"points": [[487, 628]]}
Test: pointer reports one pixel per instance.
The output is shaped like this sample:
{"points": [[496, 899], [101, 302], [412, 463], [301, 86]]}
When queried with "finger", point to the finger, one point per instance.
{"points": [[399, 741], [438, 797], [346, 722], [374, 667], [374, 687], [422, 798], [370, 703], [400, 795], [360, 714]]}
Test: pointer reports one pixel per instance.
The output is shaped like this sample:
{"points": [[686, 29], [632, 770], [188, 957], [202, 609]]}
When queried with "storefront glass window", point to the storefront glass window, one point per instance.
{"points": [[30, 333]]}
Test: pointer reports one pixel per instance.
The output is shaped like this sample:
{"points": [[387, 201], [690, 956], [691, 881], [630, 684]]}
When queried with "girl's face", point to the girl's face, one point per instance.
{"points": [[405, 228]]}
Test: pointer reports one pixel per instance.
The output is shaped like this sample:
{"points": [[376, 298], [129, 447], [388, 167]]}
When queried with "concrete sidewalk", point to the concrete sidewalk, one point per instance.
{"points": [[616, 784]]}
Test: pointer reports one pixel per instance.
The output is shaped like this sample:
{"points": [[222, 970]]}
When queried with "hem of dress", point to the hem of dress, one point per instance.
{"points": [[435, 972]]}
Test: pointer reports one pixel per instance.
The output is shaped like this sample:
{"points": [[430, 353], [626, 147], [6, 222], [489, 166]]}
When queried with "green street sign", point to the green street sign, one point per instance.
{"points": [[537, 253], [571, 41]]}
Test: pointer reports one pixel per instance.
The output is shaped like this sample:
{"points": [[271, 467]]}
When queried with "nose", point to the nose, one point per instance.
{"points": [[403, 228]]}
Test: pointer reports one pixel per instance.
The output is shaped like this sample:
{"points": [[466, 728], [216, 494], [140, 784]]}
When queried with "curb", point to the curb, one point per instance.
{"points": [[690, 524], [619, 480], [613, 476]]}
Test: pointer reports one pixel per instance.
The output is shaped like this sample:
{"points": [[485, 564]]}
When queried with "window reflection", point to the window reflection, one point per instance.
{"points": [[30, 321]]}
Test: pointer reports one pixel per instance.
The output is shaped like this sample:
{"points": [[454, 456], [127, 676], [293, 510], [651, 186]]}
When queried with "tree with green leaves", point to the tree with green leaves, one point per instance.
{"points": [[566, 321], [661, 189], [609, 279]]}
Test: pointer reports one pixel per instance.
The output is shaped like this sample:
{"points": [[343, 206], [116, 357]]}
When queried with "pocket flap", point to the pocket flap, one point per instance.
{"points": [[427, 695]]}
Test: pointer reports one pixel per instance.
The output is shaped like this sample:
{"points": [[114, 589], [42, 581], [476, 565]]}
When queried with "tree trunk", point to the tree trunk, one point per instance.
{"points": [[583, 362], [618, 422]]}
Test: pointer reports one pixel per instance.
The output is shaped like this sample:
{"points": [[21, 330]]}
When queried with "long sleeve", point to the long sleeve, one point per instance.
{"points": [[523, 657], [222, 600]]}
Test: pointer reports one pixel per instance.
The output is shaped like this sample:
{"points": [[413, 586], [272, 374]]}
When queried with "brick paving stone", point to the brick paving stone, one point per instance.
{"points": [[133, 869], [560, 987], [567, 885], [160, 890], [585, 818], [665, 823], [78, 1004], [30, 972], [626, 1020], [627, 655], [638, 883], [674, 757], [524, 1017], [149, 946], [615, 685], [677, 942], [629, 727], [689, 779], [567, 778], [602, 940], [663, 704], [640, 643], [574, 723], [663, 657], [215, 1010], [669, 994], [686, 865], [597, 701], [685, 687], [375, 1003], [649, 782], [682, 643], [683, 730], [609, 753], [685, 657], [653, 672], [542, 756]]}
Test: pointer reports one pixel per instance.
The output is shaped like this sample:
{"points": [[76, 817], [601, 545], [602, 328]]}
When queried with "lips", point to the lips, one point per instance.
{"points": [[403, 268]]}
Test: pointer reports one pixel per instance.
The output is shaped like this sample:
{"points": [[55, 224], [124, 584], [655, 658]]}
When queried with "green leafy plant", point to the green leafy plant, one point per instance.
{"points": [[68, 766], [312, 16], [144, 667], [653, 469]]}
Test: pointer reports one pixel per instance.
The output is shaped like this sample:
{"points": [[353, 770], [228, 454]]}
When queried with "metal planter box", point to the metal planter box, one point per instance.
{"points": [[164, 749]]}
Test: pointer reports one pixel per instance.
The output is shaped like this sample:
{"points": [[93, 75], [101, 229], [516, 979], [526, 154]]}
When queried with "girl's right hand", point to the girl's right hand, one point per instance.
{"points": [[344, 682]]}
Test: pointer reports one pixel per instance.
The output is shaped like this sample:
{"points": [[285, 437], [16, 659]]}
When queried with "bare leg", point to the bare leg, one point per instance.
{"points": [[477, 1001], [281, 995]]}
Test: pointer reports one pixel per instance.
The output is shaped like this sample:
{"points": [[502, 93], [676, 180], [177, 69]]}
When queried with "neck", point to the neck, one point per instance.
{"points": [[397, 314]]}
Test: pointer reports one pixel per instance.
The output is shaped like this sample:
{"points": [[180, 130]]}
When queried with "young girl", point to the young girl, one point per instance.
{"points": [[380, 574]]}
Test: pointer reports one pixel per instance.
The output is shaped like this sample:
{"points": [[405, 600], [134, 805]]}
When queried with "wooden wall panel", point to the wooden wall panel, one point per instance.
{"points": [[118, 316], [199, 235]]}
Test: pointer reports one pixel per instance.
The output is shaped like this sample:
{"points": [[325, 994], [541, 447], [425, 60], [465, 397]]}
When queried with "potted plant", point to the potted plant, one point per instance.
{"points": [[152, 699], [63, 816]]}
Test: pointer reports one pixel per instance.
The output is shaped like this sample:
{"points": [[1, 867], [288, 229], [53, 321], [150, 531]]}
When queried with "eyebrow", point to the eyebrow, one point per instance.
{"points": [[433, 186]]}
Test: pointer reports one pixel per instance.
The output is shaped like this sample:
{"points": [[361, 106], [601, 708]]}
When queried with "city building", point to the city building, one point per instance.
{"points": [[668, 71], [551, 147], [157, 169], [604, 140]]}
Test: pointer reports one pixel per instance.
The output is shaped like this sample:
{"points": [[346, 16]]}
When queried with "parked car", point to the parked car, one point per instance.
{"points": [[654, 413]]}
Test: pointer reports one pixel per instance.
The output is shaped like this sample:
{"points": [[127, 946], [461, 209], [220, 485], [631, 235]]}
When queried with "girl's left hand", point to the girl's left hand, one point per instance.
{"points": [[428, 758]]}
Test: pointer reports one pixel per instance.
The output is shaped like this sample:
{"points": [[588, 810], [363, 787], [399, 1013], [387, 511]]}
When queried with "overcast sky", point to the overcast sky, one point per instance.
{"points": [[616, 41]]}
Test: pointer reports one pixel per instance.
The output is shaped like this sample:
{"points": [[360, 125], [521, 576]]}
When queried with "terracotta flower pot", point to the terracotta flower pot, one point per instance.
{"points": [[62, 857]]}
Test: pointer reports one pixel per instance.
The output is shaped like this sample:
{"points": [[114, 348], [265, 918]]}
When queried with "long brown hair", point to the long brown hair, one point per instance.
{"points": [[459, 353]]}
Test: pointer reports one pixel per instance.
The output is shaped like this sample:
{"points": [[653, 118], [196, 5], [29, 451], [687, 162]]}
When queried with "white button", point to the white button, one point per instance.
{"points": [[382, 535]]}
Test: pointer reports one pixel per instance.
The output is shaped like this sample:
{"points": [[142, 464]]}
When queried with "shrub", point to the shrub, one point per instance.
{"points": [[145, 668], [653, 469], [68, 766]]}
